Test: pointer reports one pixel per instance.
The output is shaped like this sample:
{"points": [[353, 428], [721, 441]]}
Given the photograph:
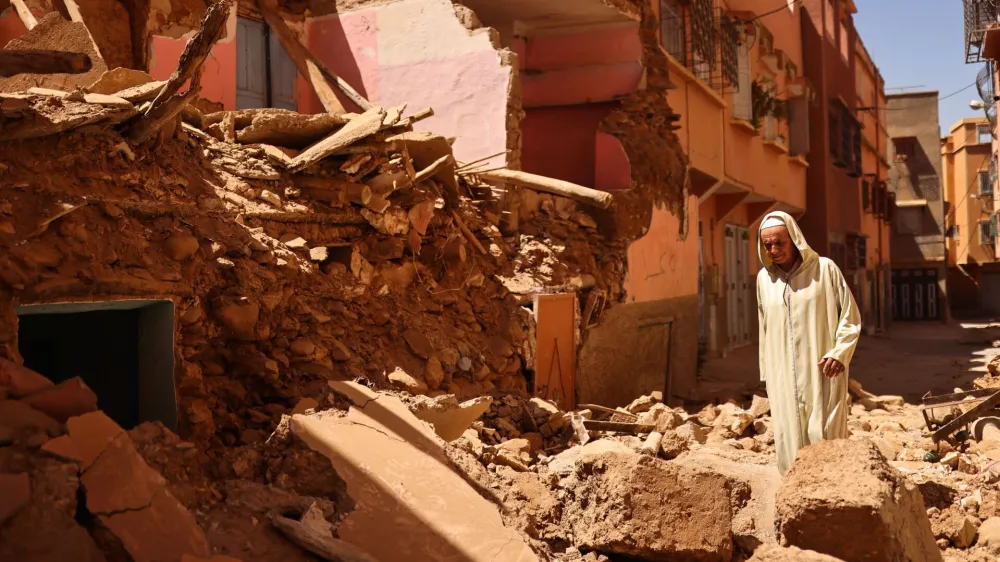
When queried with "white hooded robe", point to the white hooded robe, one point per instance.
{"points": [[804, 317]]}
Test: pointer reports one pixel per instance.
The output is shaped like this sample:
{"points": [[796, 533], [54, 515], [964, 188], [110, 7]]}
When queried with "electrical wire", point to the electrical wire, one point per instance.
{"points": [[784, 6], [935, 102], [972, 185]]}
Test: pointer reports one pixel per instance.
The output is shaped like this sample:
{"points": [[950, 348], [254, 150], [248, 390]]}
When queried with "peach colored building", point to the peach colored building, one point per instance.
{"points": [[874, 260], [968, 168], [744, 127]]}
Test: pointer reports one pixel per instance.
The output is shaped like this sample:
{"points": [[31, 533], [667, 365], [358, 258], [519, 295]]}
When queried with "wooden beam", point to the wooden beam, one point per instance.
{"points": [[355, 130], [196, 50], [37, 61], [704, 193], [318, 76], [167, 104], [534, 182], [23, 12]]}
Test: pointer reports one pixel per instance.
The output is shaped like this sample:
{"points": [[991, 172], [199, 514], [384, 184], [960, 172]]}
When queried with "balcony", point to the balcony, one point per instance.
{"points": [[705, 40], [982, 31]]}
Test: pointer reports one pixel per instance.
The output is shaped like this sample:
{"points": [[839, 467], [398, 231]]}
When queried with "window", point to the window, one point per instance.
{"points": [[672, 32], [265, 75], [798, 126], [983, 134], [866, 195], [985, 185], [703, 39], [834, 135], [729, 47], [742, 97], [903, 148], [986, 233]]}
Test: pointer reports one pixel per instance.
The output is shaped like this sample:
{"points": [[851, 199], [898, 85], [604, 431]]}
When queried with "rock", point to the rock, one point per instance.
{"points": [[180, 246], [661, 416], [760, 406], [449, 418], [239, 317], [64, 448], [418, 343], [989, 533], [672, 445], [339, 351], [774, 553], [404, 381], [672, 513], [885, 402], [643, 403], [994, 366], [21, 381], [843, 488], [303, 347], [18, 415], [954, 526], [67, 399], [693, 432], [15, 493], [733, 419], [305, 404], [91, 434], [434, 372]]}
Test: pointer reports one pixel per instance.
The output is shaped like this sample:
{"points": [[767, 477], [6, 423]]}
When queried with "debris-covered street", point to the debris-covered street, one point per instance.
{"points": [[249, 323]]}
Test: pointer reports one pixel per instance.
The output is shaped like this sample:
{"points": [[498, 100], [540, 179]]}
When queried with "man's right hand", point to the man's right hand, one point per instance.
{"points": [[830, 367]]}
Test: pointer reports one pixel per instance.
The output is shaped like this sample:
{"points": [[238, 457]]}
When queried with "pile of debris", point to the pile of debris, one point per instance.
{"points": [[296, 248]]}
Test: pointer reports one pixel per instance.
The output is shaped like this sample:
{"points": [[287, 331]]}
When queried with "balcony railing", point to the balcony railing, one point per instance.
{"points": [[705, 39], [984, 83], [980, 15]]}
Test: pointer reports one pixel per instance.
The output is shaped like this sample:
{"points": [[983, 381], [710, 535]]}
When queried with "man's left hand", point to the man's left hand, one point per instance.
{"points": [[831, 367]]}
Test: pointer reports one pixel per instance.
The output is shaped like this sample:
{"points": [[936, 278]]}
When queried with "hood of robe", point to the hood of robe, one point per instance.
{"points": [[808, 254]]}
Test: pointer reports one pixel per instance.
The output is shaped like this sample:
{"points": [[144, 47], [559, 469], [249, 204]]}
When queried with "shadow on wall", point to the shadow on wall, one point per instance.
{"points": [[639, 348], [327, 38]]}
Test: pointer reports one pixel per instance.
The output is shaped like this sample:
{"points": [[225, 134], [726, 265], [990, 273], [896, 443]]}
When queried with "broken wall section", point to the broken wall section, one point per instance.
{"points": [[421, 53]]}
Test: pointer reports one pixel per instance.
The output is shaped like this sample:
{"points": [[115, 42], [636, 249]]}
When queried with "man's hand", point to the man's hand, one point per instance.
{"points": [[831, 367]]}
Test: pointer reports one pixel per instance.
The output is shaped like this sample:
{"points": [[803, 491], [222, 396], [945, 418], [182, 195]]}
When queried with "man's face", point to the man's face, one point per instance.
{"points": [[778, 244]]}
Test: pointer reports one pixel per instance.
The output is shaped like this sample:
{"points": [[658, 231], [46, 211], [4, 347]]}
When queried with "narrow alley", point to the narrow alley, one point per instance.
{"points": [[488, 281]]}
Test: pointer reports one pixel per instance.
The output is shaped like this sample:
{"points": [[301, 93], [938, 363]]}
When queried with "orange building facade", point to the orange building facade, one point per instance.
{"points": [[968, 170], [874, 259], [744, 128]]}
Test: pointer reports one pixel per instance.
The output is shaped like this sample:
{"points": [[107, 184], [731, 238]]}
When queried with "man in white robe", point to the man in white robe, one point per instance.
{"points": [[809, 327]]}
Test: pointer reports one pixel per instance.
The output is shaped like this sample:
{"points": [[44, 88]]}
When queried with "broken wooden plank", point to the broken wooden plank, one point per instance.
{"points": [[618, 427], [467, 233], [322, 544], [309, 68], [967, 418], [23, 12], [39, 61], [147, 125], [434, 168], [358, 128], [535, 182], [196, 50]]}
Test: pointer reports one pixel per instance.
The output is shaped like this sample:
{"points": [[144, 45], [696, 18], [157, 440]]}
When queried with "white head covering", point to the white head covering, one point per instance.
{"points": [[772, 221]]}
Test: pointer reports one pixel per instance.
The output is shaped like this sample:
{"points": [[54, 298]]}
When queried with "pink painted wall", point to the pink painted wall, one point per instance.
{"points": [[561, 142], [659, 264], [218, 80], [612, 170], [416, 52], [10, 27]]}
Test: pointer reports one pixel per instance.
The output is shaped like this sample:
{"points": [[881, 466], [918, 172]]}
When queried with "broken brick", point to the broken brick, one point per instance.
{"points": [[21, 381], [15, 492], [67, 399]]}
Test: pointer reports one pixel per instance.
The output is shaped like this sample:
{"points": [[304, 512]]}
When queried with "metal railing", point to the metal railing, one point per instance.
{"points": [[705, 39], [979, 15]]}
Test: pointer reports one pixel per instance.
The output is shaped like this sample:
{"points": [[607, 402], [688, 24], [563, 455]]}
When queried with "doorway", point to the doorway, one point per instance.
{"points": [[737, 255], [265, 74], [123, 350]]}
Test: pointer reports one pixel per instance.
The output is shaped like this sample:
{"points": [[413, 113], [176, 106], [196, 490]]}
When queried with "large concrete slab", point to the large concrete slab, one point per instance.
{"points": [[405, 488]]}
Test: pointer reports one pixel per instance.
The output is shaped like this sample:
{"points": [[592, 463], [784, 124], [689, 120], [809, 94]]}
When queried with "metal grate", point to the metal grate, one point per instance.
{"points": [[673, 33], [729, 44], [703, 35], [979, 15]]}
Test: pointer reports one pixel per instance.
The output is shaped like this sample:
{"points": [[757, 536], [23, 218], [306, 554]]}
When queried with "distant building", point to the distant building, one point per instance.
{"points": [[918, 241], [970, 168]]}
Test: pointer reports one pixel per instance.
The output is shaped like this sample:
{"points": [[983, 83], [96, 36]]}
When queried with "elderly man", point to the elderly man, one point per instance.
{"points": [[809, 327]]}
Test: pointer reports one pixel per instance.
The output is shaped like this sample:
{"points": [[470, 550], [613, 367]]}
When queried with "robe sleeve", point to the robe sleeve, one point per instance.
{"points": [[849, 323], [762, 345]]}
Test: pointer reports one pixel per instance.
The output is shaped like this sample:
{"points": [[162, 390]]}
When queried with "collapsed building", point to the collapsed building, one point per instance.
{"points": [[306, 331]]}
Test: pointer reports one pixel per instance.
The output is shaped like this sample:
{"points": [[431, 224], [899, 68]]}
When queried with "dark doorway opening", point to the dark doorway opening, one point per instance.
{"points": [[123, 350]]}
